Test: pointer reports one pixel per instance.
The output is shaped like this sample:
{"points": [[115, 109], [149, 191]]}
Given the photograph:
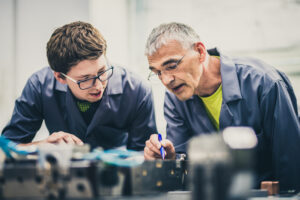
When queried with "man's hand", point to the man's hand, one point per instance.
{"points": [[57, 138], [152, 148], [63, 138]]}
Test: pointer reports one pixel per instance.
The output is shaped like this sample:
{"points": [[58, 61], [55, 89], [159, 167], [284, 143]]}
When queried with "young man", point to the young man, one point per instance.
{"points": [[82, 98], [208, 91]]}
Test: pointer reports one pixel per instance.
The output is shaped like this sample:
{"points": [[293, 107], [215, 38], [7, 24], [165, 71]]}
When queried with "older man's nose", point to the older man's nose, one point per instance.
{"points": [[166, 78]]}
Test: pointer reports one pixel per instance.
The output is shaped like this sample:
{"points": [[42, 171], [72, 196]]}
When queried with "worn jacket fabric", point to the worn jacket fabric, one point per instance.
{"points": [[256, 95], [125, 115]]}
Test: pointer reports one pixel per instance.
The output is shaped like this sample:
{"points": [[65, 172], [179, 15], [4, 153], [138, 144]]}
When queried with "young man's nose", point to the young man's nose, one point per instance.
{"points": [[98, 84]]}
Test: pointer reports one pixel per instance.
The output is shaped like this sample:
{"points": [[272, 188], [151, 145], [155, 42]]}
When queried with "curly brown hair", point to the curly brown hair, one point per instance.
{"points": [[72, 43]]}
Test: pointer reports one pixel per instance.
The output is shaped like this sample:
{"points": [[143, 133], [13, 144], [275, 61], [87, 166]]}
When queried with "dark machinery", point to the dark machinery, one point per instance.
{"points": [[219, 167]]}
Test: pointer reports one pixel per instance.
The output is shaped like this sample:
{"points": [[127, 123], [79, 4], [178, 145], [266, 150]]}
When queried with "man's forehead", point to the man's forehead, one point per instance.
{"points": [[171, 46], [164, 54], [156, 60], [88, 67]]}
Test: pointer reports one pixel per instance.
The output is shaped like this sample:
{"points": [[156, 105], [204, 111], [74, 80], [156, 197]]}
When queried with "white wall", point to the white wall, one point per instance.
{"points": [[111, 19], [36, 20], [26, 26], [7, 58]]}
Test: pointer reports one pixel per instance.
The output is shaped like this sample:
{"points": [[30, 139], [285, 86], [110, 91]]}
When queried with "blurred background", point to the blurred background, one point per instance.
{"points": [[269, 30]]}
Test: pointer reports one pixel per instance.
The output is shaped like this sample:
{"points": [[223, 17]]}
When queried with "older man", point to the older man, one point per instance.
{"points": [[208, 91]]}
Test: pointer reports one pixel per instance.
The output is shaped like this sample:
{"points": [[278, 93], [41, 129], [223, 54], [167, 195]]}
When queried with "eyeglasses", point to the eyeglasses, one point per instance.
{"points": [[153, 75], [90, 82]]}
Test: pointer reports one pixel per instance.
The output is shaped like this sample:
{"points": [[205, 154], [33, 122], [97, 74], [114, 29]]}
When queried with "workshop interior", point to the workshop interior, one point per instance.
{"points": [[217, 166]]}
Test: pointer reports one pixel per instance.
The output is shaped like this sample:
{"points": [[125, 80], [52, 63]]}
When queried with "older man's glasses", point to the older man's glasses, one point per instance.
{"points": [[169, 70], [90, 82]]}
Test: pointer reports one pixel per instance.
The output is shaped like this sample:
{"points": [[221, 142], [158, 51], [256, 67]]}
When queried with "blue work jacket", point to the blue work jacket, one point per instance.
{"points": [[256, 95], [125, 115]]}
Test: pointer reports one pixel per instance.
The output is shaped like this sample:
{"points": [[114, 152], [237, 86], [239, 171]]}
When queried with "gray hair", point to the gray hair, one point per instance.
{"points": [[162, 34]]}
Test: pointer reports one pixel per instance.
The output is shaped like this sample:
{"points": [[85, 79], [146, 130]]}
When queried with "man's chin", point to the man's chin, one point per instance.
{"points": [[182, 97], [93, 100]]}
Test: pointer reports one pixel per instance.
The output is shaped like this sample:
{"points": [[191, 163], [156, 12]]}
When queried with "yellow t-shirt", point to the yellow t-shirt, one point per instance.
{"points": [[213, 105]]}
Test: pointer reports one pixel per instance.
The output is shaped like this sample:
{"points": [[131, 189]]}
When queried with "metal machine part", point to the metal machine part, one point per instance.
{"points": [[54, 175], [219, 168], [22, 179], [221, 164], [158, 176]]}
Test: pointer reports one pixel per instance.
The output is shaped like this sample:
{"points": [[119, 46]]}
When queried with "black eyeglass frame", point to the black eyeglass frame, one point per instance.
{"points": [[95, 77], [152, 74]]}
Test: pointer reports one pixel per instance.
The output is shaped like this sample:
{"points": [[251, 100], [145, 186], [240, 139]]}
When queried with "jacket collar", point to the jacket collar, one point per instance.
{"points": [[114, 85], [59, 86], [230, 82]]}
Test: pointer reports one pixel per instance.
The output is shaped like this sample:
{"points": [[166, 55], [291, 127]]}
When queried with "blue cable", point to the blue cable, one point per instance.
{"points": [[9, 146], [123, 158]]}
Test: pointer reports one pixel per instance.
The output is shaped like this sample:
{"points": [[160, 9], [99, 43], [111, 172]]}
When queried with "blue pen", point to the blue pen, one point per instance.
{"points": [[162, 150]]}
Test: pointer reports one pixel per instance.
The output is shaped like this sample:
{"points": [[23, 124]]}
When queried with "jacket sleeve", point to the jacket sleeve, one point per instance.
{"points": [[27, 115], [282, 129], [143, 124], [177, 129]]}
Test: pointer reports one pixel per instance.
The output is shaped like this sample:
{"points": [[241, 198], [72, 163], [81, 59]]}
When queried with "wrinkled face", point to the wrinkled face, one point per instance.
{"points": [[84, 70], [178, 69]]}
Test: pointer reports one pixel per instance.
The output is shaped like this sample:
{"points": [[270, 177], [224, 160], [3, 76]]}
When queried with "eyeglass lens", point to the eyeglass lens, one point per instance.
{"points": [[91, 82]]}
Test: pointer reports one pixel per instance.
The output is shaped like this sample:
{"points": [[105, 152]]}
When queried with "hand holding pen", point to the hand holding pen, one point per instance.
{"points": [[159, 148], [162, 150]]}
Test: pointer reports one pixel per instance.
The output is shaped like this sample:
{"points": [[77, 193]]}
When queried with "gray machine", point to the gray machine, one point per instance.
{"points": [[221, 164], [219, 167]]}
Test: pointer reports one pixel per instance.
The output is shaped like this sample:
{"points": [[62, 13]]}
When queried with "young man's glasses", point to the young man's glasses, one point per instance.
{"points": [[171, 69], [90, 82]]}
